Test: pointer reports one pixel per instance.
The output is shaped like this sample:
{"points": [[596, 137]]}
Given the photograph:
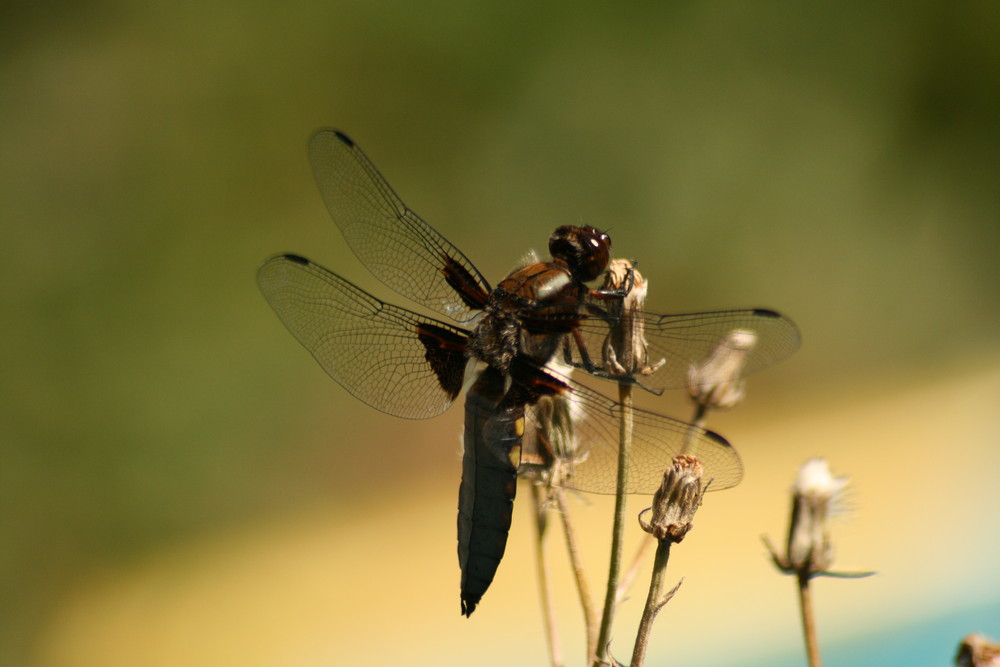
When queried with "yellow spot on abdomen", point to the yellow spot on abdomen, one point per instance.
{"points": [[515, 455]]}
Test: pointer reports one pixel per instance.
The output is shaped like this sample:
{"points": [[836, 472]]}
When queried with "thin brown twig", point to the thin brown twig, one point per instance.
{"points": [[544, 586], [654, 601], [697, 423], [586, 601], [808, 622], [674, 506], [700, 414], [633, 570], [698, 419], [618, 530]]}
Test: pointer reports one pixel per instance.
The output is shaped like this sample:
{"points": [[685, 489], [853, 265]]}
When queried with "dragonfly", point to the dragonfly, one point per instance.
{"points": [[502, 346]]}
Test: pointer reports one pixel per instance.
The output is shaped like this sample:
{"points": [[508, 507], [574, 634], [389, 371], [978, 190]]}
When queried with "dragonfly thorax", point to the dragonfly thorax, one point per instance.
{"points": [[529, 313], [496, 339]]}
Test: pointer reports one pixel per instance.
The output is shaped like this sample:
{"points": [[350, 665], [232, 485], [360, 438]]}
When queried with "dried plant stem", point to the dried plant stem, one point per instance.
{"points": [[586, 601], [697, 422], [618, 531], [809, 551], [633, 570], [545, 588], [700, 415], [808, 623], [697, 419], [654, 601]]}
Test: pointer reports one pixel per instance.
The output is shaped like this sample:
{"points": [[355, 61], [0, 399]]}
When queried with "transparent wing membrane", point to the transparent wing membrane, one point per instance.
{"points": [[369, 347], [676, 342], [396, 245]]}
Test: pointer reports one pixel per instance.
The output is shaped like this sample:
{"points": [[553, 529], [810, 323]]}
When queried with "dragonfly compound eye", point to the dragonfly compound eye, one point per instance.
{"points": [[586, 250]]}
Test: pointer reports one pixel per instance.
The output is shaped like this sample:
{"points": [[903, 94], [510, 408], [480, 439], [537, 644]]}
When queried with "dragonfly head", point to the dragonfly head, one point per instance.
{"points": [[585, 250]]}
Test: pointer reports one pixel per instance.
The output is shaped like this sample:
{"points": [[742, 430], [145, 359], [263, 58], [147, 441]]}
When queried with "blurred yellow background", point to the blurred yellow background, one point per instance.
{"points": [[182, 485]]}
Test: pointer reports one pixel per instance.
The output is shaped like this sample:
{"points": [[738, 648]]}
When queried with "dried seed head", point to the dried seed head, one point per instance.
{"points": [[625, 348], [549, 449], [716, 383], [978, 651], [815, 494], [676, 501]]}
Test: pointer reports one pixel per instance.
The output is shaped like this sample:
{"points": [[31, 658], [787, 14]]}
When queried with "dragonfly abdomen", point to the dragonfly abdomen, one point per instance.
{"points": [[489, 481]]}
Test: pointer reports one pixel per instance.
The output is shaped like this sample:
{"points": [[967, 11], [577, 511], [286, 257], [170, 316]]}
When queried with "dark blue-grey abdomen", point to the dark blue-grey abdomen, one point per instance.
{"points": [[489, 482]]}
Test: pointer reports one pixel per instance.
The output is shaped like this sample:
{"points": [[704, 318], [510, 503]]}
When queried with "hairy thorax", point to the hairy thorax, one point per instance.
{"points": [[529, 313]]}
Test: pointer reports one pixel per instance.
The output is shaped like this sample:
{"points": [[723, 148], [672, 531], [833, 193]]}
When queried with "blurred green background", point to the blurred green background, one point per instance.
{"points": [[838, 162]]}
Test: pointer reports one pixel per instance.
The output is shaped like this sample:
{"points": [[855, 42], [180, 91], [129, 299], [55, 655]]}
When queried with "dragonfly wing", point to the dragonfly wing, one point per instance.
{"points": [[582, 428], [675, 343], [394, 360], [396, 245]]}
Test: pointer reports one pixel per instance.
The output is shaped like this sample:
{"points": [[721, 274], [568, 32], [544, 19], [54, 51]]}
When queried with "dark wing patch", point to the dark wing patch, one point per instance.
{"points": [[445, 352], [530, 383], [371, 348], [465, 284], [343, 137], [399, 248]]}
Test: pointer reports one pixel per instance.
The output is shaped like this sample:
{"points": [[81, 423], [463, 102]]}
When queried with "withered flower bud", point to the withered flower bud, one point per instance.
{"points": [[676, 501], [816, 495], [549, 448], [816, 490], [978, 651], [716, 383], [625, 348]]}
